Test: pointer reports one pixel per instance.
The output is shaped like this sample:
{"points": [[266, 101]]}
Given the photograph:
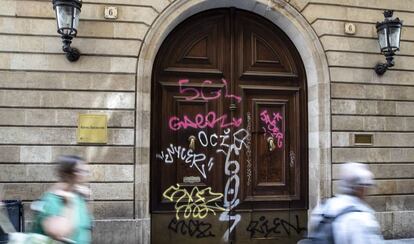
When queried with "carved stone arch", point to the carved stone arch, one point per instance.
{"points": [[310, 49]]}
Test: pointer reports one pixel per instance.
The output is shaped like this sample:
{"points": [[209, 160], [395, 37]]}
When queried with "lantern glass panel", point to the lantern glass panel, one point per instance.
{"points": [[382, 38], [76, 20], [64, 16], [394, 37]]}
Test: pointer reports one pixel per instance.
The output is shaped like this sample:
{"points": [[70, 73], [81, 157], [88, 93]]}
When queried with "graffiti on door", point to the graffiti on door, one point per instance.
{"points": [[192, 228], [249, 150], [196, 204], [188, 156], [192, 206], [231, 190], [264, 228], [201, 121], [200, 94], [271, 126]]}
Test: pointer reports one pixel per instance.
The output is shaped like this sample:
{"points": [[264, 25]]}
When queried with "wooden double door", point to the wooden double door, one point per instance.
{"points": [[228, 133]]}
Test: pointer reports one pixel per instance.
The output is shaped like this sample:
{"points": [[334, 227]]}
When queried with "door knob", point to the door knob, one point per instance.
{"points": [[192, 139], [271, 143]]}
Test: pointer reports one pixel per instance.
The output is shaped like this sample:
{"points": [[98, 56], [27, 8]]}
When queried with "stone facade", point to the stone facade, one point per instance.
{"points": [[41, 94]]}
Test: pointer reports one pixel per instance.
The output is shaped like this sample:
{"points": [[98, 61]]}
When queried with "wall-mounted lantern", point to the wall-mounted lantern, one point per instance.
{"points": [[67, 17], [389, 34]]}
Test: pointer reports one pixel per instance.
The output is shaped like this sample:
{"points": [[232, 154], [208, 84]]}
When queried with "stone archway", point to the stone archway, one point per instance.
{"points": [[310, 49]]}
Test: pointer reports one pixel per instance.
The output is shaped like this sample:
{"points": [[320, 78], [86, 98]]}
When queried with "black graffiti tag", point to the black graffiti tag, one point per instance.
{"points": [[194, 228], [262, 227]]}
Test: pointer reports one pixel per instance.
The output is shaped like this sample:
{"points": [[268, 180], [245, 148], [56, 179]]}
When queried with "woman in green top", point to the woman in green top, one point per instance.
{"points": [[62, 212]]}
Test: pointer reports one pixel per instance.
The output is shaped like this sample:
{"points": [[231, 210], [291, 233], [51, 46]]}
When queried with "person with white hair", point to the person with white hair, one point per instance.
{"points": [[347, 216]]}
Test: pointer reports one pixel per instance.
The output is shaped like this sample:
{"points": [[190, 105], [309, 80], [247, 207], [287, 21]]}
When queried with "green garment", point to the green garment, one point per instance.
{"points": [[52, 205]]}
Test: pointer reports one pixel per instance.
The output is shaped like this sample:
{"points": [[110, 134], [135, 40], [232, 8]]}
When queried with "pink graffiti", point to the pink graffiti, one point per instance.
{"points": [[202, 121], [272, 127], [199, 93]]}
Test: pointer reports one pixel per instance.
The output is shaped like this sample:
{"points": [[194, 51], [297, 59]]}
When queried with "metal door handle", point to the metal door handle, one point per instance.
{"points": [[292, 157], [271, 143], [192, 140]]}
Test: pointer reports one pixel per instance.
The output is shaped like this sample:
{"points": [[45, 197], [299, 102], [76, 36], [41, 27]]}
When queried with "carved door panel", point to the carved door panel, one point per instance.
{"points": [[273, 172], [187, 154], [270, 79], [189, 109], [228, 133]]}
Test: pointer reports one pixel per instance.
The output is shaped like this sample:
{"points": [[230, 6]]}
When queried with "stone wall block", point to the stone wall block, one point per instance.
{"points": [[398, 203], [112, 173], [143, 209], [69, 81], [381, 92], [344, 106], [364, 60], [337, 12], [146, 231], [93, 154], [142, 173], [106, 29], [380, 139], [375, 155], [405, 108], [110, 191], [371, 107], [352, 75], [344, 43], [362, 107], [11, 116], [30, 135], [386, 222], [347, 91], [142, 191], [347, 123], [403, 223], [70, 99], [336, 27], [26, 191], [9, 154], [44, 62], [374, 123], [36, 154], [127, 231], [158, 5], [142, 155], [11, 25], [47, 173], [382, 171], [112, 210], [398, 124]]}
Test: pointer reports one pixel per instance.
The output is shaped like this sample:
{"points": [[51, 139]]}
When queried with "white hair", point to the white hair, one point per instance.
{"points": [[354, 175]]}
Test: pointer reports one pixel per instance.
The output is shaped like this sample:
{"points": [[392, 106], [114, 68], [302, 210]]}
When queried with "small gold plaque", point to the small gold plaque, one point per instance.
{"points": [[363, 139], [92, 128]]}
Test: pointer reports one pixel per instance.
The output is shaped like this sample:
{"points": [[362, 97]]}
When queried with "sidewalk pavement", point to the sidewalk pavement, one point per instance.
{"points": [[400, 241]]}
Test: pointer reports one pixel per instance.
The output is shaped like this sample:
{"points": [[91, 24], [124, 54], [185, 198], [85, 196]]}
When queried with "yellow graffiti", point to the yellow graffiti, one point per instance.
{"points": [[195, 204]]}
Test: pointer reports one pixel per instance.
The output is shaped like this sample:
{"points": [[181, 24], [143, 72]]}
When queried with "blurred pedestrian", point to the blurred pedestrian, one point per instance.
{"points": [[347, 218], [5, 225], [62, 212]]}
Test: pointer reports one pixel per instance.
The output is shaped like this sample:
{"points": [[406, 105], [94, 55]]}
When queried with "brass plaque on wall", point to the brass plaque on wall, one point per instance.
{"points": [[92, 128]]}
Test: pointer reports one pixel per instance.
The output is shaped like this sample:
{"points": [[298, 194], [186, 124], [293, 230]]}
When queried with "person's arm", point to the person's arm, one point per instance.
{"points": [[62, 225]]}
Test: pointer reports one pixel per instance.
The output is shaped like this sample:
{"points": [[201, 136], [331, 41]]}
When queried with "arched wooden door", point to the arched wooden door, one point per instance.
{"points": [[228, 133]]}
